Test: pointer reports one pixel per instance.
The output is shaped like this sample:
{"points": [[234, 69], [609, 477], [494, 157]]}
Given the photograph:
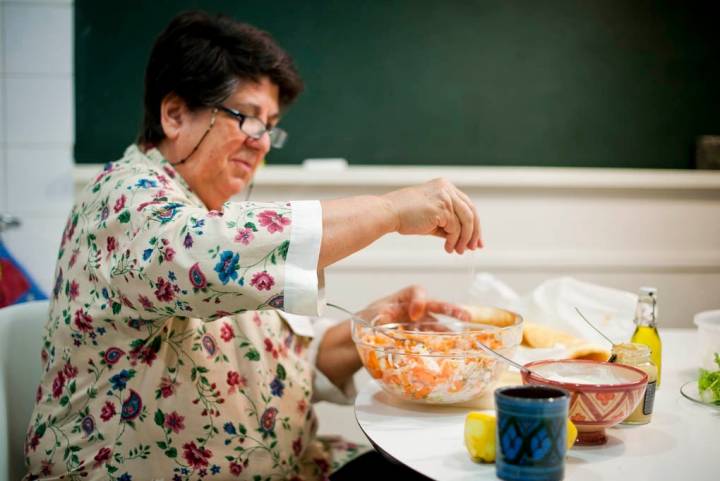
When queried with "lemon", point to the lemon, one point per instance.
{"points": [[571, 434], [480, 436]]}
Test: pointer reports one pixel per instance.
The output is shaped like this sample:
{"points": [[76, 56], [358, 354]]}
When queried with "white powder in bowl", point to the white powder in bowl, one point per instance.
{"points": [[582, 373]]}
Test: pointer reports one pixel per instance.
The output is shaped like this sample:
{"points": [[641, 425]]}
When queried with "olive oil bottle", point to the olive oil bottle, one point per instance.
{"points": [[646, 326]]}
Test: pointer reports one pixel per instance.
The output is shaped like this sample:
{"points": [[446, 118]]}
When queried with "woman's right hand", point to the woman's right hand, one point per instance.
{"points": [[436, 208]]}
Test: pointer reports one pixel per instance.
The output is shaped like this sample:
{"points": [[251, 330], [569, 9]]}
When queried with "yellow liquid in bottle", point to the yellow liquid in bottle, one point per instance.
{"points": [[649, 336]]}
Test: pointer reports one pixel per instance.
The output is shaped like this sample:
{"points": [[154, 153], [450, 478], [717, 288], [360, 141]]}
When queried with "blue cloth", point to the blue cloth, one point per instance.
{"points": [[16, 285]]}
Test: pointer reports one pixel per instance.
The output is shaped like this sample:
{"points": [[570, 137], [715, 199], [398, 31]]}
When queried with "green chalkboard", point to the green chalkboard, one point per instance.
{"points": [[498, 82]]}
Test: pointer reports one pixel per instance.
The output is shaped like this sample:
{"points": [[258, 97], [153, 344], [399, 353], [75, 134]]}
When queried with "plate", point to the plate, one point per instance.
{"points": [[690, 391]]}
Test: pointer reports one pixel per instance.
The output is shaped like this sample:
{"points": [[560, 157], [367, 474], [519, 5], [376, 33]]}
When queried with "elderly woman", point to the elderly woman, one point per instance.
{"points": [[175, 346]]}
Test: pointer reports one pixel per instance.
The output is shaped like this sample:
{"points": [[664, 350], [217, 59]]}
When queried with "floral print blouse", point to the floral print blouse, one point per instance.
{"points": [[166, 354]]}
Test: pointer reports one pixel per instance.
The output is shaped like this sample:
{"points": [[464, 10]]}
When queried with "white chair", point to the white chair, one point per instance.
{"points": [[21, 328]]}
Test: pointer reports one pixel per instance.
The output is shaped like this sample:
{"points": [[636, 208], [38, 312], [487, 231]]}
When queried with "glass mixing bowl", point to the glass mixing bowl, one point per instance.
{"points": [[438, 361]]}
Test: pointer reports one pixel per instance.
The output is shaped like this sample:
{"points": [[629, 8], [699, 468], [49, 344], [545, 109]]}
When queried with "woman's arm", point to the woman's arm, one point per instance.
{"points": [[434, 208]]}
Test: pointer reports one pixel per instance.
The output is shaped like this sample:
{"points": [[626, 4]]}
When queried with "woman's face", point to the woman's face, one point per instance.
{"points": [[227, 158]]}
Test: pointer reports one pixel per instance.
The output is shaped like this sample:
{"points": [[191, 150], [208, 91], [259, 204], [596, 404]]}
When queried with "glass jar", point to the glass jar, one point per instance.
{"points": [[638, 355]]}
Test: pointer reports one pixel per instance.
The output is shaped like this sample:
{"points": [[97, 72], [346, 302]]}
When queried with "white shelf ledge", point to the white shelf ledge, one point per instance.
{"points": [[482, 177]]}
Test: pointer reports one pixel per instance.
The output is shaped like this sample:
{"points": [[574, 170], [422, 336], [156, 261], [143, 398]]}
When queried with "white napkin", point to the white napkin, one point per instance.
{"points": [[553, 303]]}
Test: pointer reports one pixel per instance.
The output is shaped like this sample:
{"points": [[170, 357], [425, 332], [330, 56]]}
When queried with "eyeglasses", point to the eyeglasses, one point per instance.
{"points": [[255, 128]]}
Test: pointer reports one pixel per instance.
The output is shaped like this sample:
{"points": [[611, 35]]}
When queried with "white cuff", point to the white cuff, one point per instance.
{"points": [[323, 388], [304, 293]]}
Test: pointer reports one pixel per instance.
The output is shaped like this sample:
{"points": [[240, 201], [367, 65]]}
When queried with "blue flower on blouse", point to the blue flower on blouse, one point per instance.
{"points": [[215, 469], [228, 266], [119, 380], [229, 428], [277, 387], [147, 253], [145, 183], [167, 213], [125, 477]]}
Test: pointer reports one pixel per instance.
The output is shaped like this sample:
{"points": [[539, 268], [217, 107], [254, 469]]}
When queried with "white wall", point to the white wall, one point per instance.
{"points": [[36, 128], [617, 227]]}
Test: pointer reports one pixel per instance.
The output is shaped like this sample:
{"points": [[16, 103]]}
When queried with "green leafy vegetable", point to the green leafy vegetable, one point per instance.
{"points": [[709, 383]]}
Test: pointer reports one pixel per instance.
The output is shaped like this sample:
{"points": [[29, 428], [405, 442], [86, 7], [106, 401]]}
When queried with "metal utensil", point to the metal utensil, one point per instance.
{"points": [[360, 319], [613, 356], [591, 325], [480, 344]]}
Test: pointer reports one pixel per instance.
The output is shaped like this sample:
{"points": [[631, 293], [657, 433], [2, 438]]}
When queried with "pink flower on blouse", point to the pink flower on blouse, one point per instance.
{"points": [[111, 244], [46, 467], [167, 387], [244, 236], [226, 332], [273, 221], [164, 290], [70, 371], [119, 204], [146, 303], [58, 385], [297, 446], [83, 321], [174, 422], [74, 257], [74, 290], [197, 457], [146, 355], [262, 281], [34, 441], [108, 411], [169, 253], [235, 381], [236, 469], [102, 456], [270, 348], [127, 302]]}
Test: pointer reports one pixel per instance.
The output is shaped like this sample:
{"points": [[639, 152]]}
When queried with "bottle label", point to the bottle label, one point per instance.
{"points": [[649, 399]]}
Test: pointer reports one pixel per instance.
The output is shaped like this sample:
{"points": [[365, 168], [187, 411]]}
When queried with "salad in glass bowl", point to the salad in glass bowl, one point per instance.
{"points": [[438, 360]]}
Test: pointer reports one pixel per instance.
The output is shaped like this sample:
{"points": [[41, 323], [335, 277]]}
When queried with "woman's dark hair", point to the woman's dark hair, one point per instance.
{"points": [[202, 58]]}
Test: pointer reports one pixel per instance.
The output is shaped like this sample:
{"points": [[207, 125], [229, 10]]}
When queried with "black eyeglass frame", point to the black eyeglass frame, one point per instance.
{"points": [[278, 136]]}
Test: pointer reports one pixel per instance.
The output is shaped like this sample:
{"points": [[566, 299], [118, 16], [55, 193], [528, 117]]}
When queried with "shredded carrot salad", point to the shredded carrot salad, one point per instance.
{"points": [[430, 367]]}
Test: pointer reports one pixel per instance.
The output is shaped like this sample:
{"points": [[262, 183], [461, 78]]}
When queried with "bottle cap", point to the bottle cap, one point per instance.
{"points": [[649, 291]]}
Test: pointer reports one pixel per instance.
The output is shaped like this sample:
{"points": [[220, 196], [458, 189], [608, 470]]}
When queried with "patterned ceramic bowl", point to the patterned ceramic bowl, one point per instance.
{"points": [[439, 362], [601, 393]]}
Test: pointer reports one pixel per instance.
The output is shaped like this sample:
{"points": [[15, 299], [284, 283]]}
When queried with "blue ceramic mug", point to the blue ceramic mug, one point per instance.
{"points": [[531, 435]]}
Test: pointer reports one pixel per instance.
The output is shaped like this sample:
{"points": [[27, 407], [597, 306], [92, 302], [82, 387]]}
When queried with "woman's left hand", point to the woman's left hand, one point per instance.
{"points": [[337, 356], [410, 305]]}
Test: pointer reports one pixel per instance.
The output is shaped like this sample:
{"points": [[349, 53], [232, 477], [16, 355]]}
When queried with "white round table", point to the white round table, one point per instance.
{"points": [[681, 443]]}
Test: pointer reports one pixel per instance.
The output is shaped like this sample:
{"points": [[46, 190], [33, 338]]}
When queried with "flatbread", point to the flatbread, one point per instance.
{"points": [[491, 316], [539, 336]]}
